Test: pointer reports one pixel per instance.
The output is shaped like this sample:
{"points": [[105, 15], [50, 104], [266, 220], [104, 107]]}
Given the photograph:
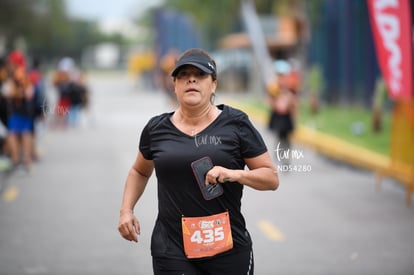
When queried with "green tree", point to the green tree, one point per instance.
{"points": [[43, 24], [218, 18], [47, 29], [14, 15], [52, 28], [213, 18]]}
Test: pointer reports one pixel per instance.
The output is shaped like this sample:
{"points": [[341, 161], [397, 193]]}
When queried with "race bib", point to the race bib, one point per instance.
{"points": [[206, 236]]}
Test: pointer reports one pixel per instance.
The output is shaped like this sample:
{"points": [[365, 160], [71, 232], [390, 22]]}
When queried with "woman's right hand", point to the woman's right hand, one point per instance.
{"points": [[128, 226]]}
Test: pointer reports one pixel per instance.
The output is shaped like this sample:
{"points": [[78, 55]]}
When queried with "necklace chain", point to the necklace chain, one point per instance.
{"points": [[194, 130]]}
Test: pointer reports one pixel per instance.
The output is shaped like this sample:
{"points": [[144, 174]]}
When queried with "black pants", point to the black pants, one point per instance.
{"points": [[282, 124], [240, 263]]}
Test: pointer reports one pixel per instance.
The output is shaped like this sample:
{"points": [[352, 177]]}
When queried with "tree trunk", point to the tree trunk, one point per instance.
{"points": [[377, 120], [314, 104]]}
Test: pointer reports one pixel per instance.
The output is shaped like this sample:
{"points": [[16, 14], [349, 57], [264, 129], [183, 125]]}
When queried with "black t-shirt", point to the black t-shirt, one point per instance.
{"points": [[227, 141]]}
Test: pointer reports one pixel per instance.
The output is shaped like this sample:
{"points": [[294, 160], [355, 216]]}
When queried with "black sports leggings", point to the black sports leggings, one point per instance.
{"points": [[240, 263]]}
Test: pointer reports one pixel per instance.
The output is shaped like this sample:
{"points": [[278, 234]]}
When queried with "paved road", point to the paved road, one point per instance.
{"points": [[326, 218]]}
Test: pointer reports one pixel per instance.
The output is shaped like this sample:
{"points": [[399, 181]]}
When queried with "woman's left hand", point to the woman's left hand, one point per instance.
{"points": [[219, 174], [261, 175]]}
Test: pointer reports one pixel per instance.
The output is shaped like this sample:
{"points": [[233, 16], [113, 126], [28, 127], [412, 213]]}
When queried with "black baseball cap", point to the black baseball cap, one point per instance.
{"points": [[197, 59]]}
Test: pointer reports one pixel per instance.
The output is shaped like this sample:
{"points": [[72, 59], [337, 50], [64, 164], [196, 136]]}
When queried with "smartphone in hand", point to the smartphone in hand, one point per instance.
{"points": [[200, 168]]}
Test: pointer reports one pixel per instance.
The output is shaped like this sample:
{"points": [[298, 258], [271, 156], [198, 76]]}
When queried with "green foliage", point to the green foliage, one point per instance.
{"points": [[284, 7], [341, 121], [315, 79], [145, 21], [47, 29], [216, 19], [380, 94], [314, 10], [213, 18]]}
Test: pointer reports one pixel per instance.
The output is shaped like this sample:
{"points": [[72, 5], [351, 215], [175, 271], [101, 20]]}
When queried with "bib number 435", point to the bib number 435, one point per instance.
{"points": [[207, 235]]}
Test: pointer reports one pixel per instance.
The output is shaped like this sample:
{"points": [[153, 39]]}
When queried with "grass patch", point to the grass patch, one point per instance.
{"points": [[350, 123]]}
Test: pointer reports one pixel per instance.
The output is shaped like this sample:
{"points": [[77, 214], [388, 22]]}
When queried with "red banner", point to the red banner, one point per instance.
{"points": [[392, 30]]}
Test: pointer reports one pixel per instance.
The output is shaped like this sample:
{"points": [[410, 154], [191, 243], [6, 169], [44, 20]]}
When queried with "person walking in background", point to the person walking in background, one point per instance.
{"points": [[78, 96], [61, 80], [173, 144], [72, 92], [283, 108]]}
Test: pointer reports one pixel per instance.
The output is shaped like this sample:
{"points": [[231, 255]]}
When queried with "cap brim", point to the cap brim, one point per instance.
{"points": [[201, 67]]}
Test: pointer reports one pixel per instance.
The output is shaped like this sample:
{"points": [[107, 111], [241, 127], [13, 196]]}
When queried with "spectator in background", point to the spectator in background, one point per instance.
{"points": [[61, 80], [78, 96], [19, 93], [283, 104], [72, 92]]}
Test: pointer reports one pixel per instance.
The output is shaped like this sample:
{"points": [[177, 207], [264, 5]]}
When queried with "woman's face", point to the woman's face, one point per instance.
{"points": [[193, 87]]}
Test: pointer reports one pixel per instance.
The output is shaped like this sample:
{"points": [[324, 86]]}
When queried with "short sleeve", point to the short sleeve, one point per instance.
{"points": [[251, 141], [145, 142]]}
